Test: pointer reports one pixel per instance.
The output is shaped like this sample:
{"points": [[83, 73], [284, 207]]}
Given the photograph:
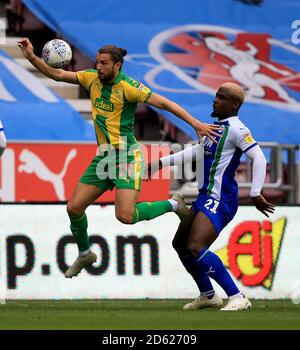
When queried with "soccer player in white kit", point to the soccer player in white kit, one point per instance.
{"points": [[217, 202], [2, 139]]}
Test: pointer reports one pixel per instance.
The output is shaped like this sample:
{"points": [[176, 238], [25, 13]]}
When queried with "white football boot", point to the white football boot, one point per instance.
{"points": [[203, 302], [182, 210], [237, 304], [80, 263]]}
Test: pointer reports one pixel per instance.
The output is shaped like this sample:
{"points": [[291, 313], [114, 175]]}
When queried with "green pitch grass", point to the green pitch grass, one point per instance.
{"points": [[143, 314]]}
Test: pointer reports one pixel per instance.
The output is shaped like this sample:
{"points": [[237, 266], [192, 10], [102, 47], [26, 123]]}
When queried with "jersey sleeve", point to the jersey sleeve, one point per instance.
{"points": [[86, 77], [136, 92], [259, 165], [244, 139]]}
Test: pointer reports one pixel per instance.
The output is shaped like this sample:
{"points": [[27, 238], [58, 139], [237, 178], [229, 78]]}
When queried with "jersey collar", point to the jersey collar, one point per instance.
{"points": [[118, 77], [226, 120]]}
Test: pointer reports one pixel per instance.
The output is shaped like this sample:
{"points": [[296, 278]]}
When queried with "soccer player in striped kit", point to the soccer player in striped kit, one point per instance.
{"points": [[217, 202], [114, 97], [2, 139]]}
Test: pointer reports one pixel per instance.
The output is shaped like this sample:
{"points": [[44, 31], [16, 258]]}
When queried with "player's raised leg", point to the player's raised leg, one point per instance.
{"points": [[128, 212], [151, 210], [83, 195], [130, 170], [203, 234]]}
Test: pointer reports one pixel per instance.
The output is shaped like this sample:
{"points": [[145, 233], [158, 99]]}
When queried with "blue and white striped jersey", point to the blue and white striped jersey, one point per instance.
{"points": [[221, 160]]}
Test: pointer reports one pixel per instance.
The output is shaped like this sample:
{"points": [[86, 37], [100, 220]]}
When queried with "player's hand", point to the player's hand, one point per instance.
{"points": [[208, 130], [262, 205], [26, 48], [151, 168]]}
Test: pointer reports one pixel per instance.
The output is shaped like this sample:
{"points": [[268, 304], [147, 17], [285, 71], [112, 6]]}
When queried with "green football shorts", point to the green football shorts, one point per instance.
{"points": [[116, 168]]}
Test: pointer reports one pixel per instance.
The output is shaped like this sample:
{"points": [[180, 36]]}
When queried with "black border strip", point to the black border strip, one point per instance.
{"points": [[113, 203], [50, 203]]}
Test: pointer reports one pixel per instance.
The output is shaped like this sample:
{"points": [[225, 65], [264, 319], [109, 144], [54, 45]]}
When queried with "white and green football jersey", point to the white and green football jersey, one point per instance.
{"points": [[221, 160]]}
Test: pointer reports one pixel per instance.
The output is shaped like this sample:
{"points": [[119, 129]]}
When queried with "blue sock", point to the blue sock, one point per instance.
{"points": [[211, 264], [201, 278]]}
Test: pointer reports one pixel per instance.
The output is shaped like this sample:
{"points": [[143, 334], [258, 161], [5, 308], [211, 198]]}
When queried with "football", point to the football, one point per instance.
{"points": [[57, 53]]}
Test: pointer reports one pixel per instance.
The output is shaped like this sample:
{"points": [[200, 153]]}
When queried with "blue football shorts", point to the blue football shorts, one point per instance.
{"points": [[219, 213]]}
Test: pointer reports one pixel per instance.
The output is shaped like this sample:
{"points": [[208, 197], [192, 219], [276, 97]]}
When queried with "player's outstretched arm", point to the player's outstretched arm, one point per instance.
{"points": [[259, 172], [182, 157], [202, 129], [53, 73]]}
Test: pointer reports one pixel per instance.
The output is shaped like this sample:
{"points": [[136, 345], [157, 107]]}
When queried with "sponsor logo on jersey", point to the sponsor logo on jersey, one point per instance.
{"points": [[140, 87], [105, 105], [143, 88], [248, 138]]}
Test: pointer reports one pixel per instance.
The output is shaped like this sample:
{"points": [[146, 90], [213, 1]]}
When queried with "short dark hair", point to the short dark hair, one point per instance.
{"points": [[117, 53]]}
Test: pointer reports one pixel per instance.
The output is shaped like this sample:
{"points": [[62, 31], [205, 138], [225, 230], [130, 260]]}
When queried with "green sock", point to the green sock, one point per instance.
{"points": [[150, 210], [79, 231]]}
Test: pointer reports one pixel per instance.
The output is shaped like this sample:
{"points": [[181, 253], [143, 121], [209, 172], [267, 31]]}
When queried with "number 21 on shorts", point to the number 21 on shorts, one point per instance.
{"points": [[212, 205]]}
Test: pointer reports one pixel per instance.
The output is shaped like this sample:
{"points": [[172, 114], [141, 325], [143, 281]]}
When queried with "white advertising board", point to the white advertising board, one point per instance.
{"points": [[138, 261]]}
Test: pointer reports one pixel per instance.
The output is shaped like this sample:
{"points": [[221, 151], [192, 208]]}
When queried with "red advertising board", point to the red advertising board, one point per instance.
{"points": [[45, 172]]}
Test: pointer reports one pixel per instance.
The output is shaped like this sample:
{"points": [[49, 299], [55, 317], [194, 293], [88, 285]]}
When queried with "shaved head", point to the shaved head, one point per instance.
{"points": [[228, 101], [235, 91]]}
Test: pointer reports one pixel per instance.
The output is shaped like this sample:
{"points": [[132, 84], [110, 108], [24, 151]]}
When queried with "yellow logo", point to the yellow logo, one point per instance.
{"points": [[248, 138], [105, 105]]}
